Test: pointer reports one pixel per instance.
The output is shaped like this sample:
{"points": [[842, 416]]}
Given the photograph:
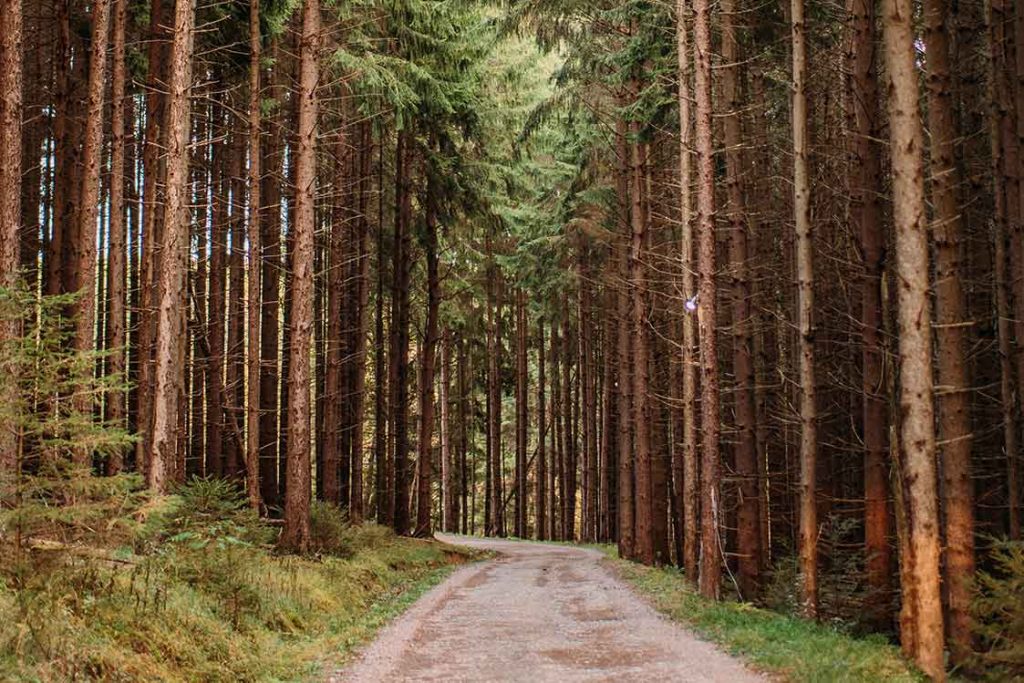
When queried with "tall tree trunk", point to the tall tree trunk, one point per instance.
{"points": [[464, 472], [198, 331], [688, 452], [558, 441], [569, 430], [117, 267], [449, 500], [157, 104], [865, 215], [1005, 164], [541, 498], [805, 315], [624, 398], [255, 274], [383, 501], [362, 286], [400, 334], [335, 353], [710, 558], [497, 508], [84, 243], [169, 373], [11, 97], [747, 520], [951, 337], [917, 431], [522, 388], [234, 383], [428, 364], [271, 267], [296, 534], [642, 413], [217, 297], [1015, 47]]}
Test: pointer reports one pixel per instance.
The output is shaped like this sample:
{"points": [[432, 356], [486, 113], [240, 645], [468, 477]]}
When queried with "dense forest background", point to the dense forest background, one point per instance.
{"points": [[737, 286]]}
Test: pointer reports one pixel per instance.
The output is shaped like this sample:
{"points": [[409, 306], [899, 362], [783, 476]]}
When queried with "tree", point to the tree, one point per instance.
{"points": [[255, 271], [865, 213], [296, 534], [84, 242], [10, 191], [688, 453], [805, 287], [168, 372], [117, 267], [748, 522], [917, 429], [710, 562], [428, 364], [951, 337]]}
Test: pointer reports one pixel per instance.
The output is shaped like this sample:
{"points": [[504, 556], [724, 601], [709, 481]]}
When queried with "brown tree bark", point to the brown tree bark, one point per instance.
{"points": [[865, 215], [117, 266], [270, 280], [496, 460], [334, 389], [11, 98], [399, 356], [624, 398], [428, 363], [362, 286], [558, 410], [169, 372], [569, 410], [153, 173], [642, 414], [463, 413], [710, 558], [255, 271], [951, 337], [541, 529], [689, 469], [745, 454], [217, 299], [234, 382], [806, 329], [296, 533], [521, 499], [917, 429], [449, 497], [84, 242], [383, 501]]}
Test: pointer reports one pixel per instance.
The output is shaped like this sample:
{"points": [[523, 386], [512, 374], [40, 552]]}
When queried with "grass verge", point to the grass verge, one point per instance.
{"points": [[787, 647], [190, 590]]}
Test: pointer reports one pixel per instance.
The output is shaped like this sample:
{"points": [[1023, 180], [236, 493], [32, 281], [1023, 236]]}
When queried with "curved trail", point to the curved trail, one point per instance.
{"points": [[538, 613]]}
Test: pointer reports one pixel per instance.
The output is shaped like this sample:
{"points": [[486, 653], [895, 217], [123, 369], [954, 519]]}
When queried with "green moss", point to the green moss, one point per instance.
{"points": [[795, 649]]}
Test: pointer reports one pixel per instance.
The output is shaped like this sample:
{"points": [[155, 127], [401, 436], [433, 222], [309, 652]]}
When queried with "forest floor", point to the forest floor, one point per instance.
{"points": [[191, 588], [538, 612]]}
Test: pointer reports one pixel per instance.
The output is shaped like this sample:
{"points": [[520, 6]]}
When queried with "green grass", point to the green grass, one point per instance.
{"points": [[212, 603], [791, 648]]}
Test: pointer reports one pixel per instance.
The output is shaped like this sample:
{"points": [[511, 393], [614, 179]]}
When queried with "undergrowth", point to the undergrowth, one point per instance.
{"points": [[791, 648], [189, 588]]}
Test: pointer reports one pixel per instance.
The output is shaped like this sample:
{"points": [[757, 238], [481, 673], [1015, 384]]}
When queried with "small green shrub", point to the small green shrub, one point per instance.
{"points": [[999, 612], [329, 530]]}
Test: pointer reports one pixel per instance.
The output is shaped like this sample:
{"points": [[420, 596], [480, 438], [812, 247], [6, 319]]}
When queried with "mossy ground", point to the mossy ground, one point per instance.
{"points": [[782, 646]]}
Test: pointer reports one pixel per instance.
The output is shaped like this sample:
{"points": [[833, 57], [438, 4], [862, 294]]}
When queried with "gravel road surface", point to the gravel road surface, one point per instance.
{"points": [[537, 612]]}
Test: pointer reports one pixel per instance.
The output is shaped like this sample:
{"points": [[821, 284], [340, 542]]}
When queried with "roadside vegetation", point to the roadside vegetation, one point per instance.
{"points": [[781, 645], [122, 586]]}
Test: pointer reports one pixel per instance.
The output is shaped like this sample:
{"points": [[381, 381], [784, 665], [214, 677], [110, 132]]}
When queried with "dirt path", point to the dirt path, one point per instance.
{"points": [[538, 613]]}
